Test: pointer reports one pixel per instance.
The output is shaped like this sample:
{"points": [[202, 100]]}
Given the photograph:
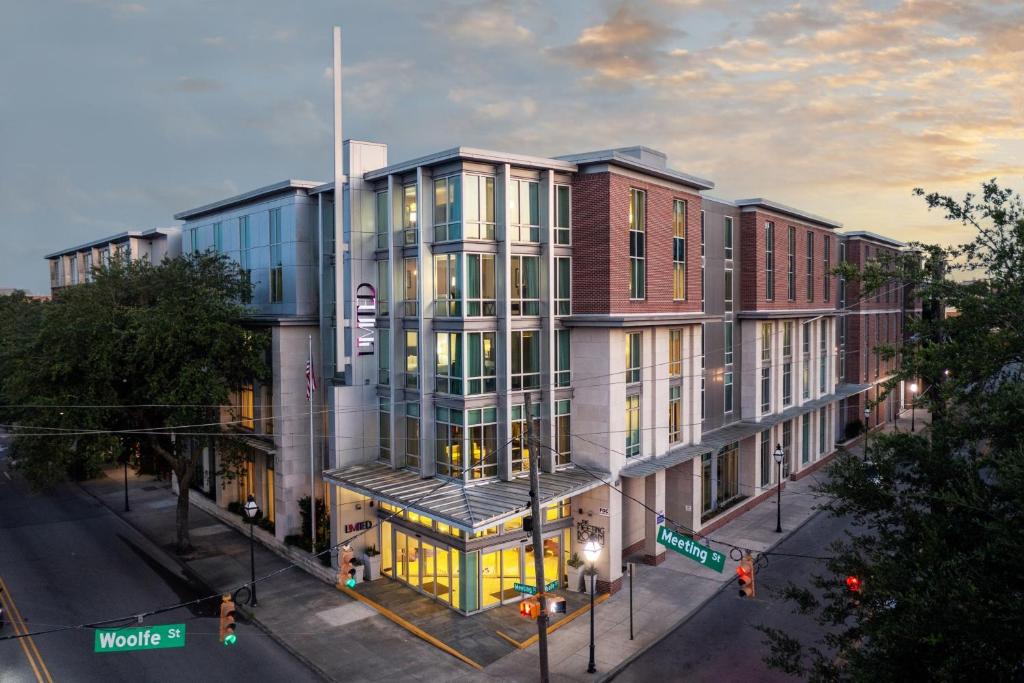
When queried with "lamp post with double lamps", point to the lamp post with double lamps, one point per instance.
{"points": [[779, 455], [592, 550], [867, 431], [913, 405], [251, 509]]}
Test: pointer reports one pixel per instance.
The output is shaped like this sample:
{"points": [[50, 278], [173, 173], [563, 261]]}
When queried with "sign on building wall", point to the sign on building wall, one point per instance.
{"points": [[366, 319], [585, 531]]}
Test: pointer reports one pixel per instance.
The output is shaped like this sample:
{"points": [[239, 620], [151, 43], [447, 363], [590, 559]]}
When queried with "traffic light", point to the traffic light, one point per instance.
{"points": [[556, 604], [853, 583], [346, 572], [529, 608], [350, 582], [227, 620], [745, 574]]}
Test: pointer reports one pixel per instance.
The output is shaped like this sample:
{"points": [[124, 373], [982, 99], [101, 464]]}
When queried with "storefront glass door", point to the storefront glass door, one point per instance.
{"points": [[511, 573]]}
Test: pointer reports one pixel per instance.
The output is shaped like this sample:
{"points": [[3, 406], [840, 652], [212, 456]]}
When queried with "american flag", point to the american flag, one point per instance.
{"points": [[310, 379]]}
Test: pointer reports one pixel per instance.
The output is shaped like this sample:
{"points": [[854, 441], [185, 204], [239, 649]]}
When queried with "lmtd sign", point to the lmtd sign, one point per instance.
{"points": [[366, 319]]}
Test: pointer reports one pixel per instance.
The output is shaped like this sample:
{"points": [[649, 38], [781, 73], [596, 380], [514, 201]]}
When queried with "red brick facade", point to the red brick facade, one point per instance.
{"points": [[754, 278], [600, 265]]}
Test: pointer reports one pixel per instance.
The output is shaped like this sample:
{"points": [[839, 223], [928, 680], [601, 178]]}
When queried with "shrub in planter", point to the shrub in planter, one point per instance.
{"points": [[372, 558], [236, 507], [574, 570]]}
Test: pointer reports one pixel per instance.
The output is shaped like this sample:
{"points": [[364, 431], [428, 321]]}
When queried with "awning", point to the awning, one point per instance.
{"points": [[468, 507], [716, 439], [263, 445]]}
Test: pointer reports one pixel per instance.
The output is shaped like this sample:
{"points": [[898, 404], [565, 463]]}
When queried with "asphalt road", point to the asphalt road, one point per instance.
{"points": [[720, 642], [67, 560]]}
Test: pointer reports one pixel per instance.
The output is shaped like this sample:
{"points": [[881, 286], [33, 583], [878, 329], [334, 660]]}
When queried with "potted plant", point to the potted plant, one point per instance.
{"points": [[360, 568], [372, 559], [575, 573]]}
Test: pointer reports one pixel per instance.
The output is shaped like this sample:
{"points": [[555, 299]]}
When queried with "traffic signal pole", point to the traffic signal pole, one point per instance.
{"points": [[538, 543]]}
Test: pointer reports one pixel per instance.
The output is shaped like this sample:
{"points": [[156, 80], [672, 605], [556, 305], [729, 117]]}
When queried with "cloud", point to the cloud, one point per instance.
{"points": [[488, 24], [194, 84], [214, 41]]}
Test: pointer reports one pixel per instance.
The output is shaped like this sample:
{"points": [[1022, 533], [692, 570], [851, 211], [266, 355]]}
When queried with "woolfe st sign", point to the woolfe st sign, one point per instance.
{"points": [[687, 547], [156, 637]]}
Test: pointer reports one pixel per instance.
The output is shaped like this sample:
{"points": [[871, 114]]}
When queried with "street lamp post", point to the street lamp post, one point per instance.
{"points": [[591, 551], [779, 455], [913, 405], [867, 431], [251, 508]]}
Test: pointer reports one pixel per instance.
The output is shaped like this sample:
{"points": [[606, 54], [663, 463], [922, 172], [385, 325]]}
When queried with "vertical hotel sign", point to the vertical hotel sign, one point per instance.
{"points": [[366, 319]]}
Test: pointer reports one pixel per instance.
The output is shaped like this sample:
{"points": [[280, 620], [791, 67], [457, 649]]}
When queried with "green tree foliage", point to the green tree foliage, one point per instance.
{"points": [[939, 529], [141, 357]]}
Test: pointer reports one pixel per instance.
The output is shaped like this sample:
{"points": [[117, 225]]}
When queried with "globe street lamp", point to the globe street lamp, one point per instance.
{"points": [[867, 431], [251, 510], [779, 455], [913, 404], [591, 551]]}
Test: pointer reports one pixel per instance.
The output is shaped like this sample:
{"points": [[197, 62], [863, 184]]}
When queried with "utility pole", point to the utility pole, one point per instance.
{"points": [[538, 543]]}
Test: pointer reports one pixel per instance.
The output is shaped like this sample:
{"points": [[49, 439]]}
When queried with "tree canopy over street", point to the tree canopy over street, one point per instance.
{"points": [[143, 356]]}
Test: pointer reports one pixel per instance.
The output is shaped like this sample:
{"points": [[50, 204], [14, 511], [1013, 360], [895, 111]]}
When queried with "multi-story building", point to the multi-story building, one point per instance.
{"points": [[75, 265]]}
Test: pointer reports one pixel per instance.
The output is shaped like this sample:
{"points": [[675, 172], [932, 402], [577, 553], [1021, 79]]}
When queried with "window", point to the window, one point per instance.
{"points": [[88, 266], [727, 392], [563, 432], [675, 423], [479, 207], [791, 265], [525, 359], [727, 240], [805, 369], [727, 328], [637, 226], [675, 353], [805, 445], [520, 447], [383, 287], [769, 260], [412, 355], [787, 445], [218, 236], [104, 257], [766, 457], [483, 442], [448, 368], [193, 240], [447, 209], [632, 426], [827, 275], [447, 285], [480, 299], [823, 355], [412, 435], [728, 290], [679, 250], [787, 363], [562, 358], [276, 263], [448, 442], [822, 424], [702, 371], [633, 357], [563, 286], [382, 221], [384, 429], [766, 389], [766, 369], [483, 364], [563, 228], [248, 412], [702, 264], [73, 267], [525, 285], [409, 214], [524, 208], [244, 245], [810, 265], [411, 301], [383, 357]]}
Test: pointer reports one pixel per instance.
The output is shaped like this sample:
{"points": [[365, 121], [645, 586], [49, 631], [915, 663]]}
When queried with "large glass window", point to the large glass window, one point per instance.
{"points": [[520, 449], [787, 445], [791, 265], [707, 500], [383, 287], [727, 328], [447, 285], [728, 395], [447, 209], [769, 260], [728, 237], [73, 267], [562, 358], [218, 237], [482, 362], [409, 220], [525, 359], [384, 420], [525, 285], [483, 442], [244, 247], [412, 435], [728, 484], [675, 413], [563, 234], [675, 353], [524, 207], [766, 367], [633, 361], [822, 425], [632, 426], [827, 274], [563, 432], [563, 286], [480, 297], [637, 248], [810, 265], [766, 457], [248, 413], [384, 356], [448, 370], [805, 445], [411, 299], [479, 203], [412, 359], [382, 219], [787, 363], [822, 356], [679, 250], [448, 442], [276, 262], [728, 290]]}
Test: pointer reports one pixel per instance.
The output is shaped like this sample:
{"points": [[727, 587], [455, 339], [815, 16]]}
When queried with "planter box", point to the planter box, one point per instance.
{"points": [[372, 564], [575, 579]]}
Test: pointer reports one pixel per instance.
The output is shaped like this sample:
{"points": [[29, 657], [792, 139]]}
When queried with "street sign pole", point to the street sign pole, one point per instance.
{"points": [[538, 543]]}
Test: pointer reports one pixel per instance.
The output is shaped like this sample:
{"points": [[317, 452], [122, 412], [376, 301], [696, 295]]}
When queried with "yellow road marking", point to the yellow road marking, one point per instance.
{"points": [[557, 625], [27, 644]]}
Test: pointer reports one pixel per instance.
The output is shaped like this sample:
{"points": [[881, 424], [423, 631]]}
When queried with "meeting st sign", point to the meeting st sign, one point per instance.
{"points": [[687, 547]]}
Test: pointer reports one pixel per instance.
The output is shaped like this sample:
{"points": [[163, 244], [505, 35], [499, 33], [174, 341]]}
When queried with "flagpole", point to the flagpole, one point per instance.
{"points": [[312, 468]]}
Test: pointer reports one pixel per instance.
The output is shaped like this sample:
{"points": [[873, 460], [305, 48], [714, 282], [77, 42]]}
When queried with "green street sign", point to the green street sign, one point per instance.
{"points": [[524, 588], [551, 585], [687, 547], [155, 637]]}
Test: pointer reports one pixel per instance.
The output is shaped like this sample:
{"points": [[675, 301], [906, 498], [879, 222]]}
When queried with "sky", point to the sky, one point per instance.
{"points": [[115, 115]]}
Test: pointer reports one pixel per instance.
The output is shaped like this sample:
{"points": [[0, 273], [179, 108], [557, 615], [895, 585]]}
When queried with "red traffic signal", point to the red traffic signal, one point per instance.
{"points": [[745, 576], [853, 583], [529, 608]]}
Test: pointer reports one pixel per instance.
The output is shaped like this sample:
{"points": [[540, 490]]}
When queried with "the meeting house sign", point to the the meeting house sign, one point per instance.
{"points": [[366, 319]]}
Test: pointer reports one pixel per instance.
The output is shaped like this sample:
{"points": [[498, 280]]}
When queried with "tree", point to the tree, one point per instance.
{"points": [[137, 357], [938, 525]]}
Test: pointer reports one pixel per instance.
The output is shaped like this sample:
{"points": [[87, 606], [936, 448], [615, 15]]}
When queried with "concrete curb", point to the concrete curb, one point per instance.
{"points": [[629, 660], [202, 581]]}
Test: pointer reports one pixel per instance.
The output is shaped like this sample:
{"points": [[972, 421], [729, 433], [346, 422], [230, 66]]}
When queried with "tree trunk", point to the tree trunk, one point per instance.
{"points": [[184, 473]]}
